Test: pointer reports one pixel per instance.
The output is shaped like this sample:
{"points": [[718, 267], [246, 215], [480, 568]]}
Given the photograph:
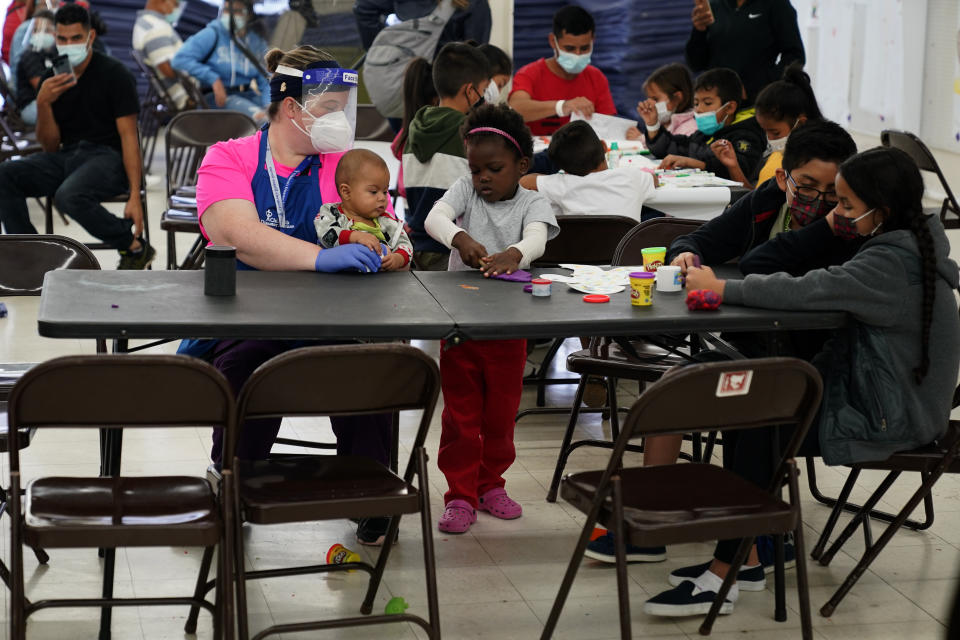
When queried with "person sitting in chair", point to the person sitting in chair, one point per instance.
{"points": [[87, 126]]}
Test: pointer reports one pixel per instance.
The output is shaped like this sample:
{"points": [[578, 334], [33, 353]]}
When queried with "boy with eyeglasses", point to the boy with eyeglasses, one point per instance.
{"points": [[752, 229]]}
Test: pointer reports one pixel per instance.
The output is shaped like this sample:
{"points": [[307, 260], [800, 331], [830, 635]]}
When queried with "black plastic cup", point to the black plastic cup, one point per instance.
{"points": [[220, 271]]}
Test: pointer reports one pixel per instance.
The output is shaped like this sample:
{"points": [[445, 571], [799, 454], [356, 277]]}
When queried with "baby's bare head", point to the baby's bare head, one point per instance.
{"points": [[363, 182]]}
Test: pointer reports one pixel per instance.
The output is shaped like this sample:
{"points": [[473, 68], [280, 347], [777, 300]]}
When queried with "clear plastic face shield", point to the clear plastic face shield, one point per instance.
{"points": [[328, 99], [40, 34]]}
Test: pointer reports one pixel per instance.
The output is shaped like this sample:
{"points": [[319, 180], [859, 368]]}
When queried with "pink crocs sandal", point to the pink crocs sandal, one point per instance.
{"points": [[497, 503], [457, 517]]}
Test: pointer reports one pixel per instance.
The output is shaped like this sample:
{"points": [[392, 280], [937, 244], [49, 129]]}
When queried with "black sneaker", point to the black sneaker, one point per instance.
{"points": [[766, 552], [749, 578], [372, 531], [603, 549], [137, 260], [685, 600]]}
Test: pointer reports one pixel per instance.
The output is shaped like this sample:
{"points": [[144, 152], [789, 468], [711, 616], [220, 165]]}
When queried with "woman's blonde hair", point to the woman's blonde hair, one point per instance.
{"points": [[299, 58]]}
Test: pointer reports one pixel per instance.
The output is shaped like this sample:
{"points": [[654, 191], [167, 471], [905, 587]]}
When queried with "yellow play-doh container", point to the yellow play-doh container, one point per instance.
{"points": [[641, 288], [653, 258]]}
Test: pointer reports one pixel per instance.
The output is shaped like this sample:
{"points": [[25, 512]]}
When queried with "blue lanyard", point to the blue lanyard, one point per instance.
{"points": [[278, 198]]}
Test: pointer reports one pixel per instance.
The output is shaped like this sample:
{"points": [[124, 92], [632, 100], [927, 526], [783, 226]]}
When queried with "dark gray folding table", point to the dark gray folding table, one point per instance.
{"points": [[484, 309], [126, 305]]}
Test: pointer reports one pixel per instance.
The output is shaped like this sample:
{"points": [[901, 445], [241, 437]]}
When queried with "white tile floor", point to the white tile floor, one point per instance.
{"points": [[497, 581]]}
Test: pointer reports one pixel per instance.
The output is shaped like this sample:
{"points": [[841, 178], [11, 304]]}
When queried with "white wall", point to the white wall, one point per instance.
{"points": [[501, 35], [919, 80]]}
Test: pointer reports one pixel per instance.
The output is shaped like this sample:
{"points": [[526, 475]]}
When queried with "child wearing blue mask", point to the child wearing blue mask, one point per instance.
{"points": [[717, 96], [781, 107]]}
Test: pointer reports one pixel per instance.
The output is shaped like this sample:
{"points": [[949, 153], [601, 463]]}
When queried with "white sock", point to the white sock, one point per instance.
{"points": [[709, 581]]}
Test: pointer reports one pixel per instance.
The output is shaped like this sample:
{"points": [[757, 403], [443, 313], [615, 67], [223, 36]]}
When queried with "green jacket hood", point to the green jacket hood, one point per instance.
{"points": [[435, 130]]}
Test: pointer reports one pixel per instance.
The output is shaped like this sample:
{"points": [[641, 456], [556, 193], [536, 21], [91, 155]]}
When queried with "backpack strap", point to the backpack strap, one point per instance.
{"points": [[442, 14]]}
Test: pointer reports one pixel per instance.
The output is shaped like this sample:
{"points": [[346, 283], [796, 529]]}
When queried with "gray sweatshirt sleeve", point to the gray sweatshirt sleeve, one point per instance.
{"points": [[871, 287]]}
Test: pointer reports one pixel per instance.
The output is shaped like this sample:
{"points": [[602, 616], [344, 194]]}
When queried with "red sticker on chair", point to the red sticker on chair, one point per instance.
{"points": [[734, 383]]}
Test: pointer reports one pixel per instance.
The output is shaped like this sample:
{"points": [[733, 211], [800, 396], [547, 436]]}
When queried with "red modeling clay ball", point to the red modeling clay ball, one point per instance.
{"points": [[703, 300]]}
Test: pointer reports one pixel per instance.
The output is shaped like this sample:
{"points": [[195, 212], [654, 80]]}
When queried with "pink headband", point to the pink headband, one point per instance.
{"points": [[499, 132]]}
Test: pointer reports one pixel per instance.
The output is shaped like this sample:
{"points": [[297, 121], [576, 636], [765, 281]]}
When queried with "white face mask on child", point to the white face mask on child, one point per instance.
{"points": [[492, 93], [664, 112], [777, 145]]}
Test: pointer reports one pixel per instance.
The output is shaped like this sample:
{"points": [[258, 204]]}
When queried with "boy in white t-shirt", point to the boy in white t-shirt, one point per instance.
{"points": [[587, 185]]}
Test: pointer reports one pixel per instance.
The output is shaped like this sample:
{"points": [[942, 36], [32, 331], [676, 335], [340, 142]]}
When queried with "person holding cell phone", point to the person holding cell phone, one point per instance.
{"points": [[87, 125]]}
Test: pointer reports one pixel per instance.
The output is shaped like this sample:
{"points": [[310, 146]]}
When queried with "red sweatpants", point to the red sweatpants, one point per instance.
{"points": [[482, 382]]}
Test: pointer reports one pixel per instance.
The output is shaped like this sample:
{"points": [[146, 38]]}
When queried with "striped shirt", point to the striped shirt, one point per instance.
{"points": [[156, 40]]}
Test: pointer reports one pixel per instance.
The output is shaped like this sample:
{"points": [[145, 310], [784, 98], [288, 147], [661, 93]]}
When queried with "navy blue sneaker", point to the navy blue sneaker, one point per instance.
{"points": [[602, 549], [766, 552], [685, 600], [749, 578]]}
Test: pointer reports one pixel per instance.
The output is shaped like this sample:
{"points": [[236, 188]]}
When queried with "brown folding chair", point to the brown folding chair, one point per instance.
{"points": [[916, 149], [639, 360], [670, 504], [309, 488], [24, 261], [120, 511], [189, 135], [583, 239], [930, 462]]}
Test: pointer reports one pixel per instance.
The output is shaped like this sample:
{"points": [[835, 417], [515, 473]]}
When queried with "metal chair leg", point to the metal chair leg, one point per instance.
{"points": [[728, 581], [200, 591], [835, 513], [240, 574], [171, 250], [572, 567], [429, 557], [224, 594], [541, 374], [367, 606], [779, 580], [871, 553], [18, 619], [612, 403], [567, 437], [803, 587], [883, 516], [106, 612], [620, 546], [852, 526]]}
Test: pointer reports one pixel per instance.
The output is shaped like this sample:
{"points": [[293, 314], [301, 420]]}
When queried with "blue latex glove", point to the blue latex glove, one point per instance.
{"points": [[350, 257]]}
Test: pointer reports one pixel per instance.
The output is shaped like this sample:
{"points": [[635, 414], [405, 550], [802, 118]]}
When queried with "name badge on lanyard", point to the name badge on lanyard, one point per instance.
{"points": [[280, 198]]}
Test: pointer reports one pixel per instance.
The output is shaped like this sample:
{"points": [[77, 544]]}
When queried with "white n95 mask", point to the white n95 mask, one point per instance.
{"points": [[492, 93], [330, 133]]}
